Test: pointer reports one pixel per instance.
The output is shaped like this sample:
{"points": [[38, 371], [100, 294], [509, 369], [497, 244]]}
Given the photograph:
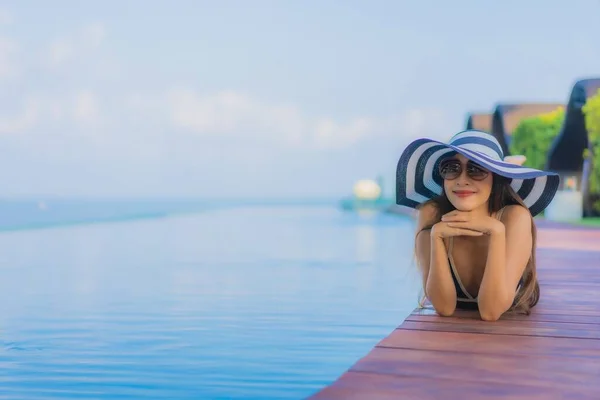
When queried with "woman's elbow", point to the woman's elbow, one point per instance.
{"points": [[492, 312], [445, 310], [443, 305], [490, 316]]}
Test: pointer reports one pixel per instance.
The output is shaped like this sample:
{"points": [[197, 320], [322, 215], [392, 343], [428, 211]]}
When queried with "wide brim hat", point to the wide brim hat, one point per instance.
{"points": [[418, 179]]}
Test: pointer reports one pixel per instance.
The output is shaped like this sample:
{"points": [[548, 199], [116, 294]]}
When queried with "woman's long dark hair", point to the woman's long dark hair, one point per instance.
{"points": [[502, 195]]}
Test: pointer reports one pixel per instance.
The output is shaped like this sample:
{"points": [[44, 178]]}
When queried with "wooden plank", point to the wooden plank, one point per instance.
{"points": [[569, 304], [568, 240], [572, 294], [566, 278], [546, 306], [585, 268], [588, 306], [582, 271], [544, 371], [367, 386], [593, 313], [549, 329], [553, 353], [459, 318], [574, 244], [536, 315], [501, 344]]}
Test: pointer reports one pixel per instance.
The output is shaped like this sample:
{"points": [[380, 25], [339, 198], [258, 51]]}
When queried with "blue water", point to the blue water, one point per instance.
{"points": [[18, 214], [269, 302]]}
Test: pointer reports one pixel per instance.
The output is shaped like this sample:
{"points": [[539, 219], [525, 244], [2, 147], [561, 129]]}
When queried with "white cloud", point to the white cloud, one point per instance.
{"points": [[93, 34], [64, 50], [419, 122], [331, 134], [23, 121], [69, 113], [8, 48], [6, 17], [85, 107], [59, 52], [230, 113]]}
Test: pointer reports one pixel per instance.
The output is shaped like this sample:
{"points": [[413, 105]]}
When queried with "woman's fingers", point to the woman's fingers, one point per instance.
{"points": [[463, 224], [466, 226], [467, 232], [460, 229], [455, 218]]}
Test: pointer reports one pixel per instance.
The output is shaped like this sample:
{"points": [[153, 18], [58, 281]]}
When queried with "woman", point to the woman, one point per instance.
{"points": [[475, 240]]}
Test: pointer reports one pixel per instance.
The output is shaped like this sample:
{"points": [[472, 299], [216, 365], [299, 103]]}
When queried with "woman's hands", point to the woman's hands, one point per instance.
{"points": [[466, 223], [445, 230]]}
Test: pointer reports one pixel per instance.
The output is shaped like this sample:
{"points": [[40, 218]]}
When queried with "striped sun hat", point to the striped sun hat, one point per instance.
{"points": [[418, 178]]}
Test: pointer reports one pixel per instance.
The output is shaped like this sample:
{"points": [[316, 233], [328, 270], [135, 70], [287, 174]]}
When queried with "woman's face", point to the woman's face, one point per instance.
{"points": [[467, 185]]}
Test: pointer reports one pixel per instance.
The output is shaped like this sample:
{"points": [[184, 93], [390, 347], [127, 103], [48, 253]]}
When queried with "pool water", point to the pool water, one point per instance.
{"points": [[233, 303]]}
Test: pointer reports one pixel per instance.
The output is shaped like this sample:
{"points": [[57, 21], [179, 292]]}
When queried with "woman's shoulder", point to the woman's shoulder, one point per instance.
{"points": [[514, 212], [516, 216]]}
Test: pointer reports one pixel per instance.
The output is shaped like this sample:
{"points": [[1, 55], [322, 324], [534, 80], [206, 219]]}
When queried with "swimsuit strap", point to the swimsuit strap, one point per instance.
{"points": [[499, 214]]}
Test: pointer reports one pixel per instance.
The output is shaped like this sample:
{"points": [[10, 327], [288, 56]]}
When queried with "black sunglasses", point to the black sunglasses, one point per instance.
{"points": [[451, 169]]}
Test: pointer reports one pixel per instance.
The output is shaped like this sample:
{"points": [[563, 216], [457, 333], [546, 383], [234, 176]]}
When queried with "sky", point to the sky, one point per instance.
{"points": [[258, 99]]}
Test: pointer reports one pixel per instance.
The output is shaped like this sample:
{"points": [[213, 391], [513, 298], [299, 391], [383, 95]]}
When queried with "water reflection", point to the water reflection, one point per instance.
{"points": [[263, 302], [365, 243]]}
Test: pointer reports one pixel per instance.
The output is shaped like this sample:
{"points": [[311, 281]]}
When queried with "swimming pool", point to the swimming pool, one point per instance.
{"points": [[244, 302]]}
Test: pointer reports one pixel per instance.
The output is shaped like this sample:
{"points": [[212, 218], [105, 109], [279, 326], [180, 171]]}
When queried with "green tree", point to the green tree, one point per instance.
{"points": [[533, 137], [591, 111]]}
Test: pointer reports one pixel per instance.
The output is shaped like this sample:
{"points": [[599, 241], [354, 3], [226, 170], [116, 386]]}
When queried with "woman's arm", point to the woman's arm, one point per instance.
{"points": [[432, 259], [508, 254]]}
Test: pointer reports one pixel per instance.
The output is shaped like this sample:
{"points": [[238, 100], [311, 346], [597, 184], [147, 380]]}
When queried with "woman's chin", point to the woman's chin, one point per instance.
{"points": [[465, 209], [463, 204]]}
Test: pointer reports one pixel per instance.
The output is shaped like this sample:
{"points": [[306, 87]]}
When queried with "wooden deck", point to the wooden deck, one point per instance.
{"points": [[554, 353]]}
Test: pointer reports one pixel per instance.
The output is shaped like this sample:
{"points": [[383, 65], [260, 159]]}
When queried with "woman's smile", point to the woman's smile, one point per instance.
{"points": [[463, 193]]}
